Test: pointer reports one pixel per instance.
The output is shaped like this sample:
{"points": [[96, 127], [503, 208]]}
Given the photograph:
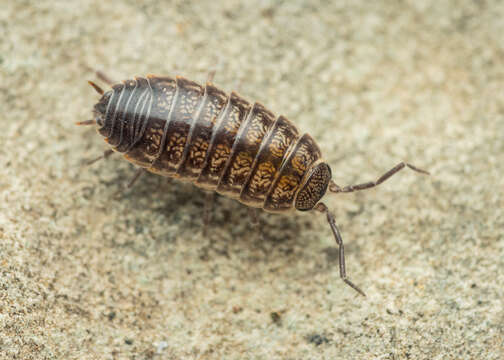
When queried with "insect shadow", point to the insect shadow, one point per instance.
{"points": [[230, 227]]}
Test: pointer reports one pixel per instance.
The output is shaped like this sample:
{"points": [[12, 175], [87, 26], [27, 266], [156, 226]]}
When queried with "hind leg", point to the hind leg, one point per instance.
{"points": [[135, 177], [211, 243], [207, 210], [256, 223], [105, 155]]}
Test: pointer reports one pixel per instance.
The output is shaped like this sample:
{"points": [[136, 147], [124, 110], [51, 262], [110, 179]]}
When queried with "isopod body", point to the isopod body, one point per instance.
{"points": [[177, 128]]}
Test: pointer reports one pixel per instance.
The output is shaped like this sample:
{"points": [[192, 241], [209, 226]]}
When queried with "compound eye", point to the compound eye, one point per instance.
{"points": [[314, 187]]}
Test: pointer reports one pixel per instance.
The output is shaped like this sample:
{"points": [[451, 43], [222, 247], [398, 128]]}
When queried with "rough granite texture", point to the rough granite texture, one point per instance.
{"points": [[89, 270]]}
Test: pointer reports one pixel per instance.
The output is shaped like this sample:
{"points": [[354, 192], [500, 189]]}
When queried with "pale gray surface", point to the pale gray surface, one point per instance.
{"points": [[85, 275]]}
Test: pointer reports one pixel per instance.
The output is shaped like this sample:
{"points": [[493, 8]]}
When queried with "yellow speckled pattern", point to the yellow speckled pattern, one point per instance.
{"points": [[244, 151], [187, 99], [268, 162], [201, 133], [222, 140], [289, 180]]}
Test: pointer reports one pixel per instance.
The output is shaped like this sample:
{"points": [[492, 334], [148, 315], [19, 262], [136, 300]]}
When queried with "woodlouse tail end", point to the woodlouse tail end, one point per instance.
{"points": [[86, 122], [98, 89]]}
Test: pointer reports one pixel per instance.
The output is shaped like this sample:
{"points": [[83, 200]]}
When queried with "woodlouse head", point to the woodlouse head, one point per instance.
{"points": [[314, 187]]}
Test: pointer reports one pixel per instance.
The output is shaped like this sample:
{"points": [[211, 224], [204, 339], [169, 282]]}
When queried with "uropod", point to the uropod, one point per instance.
{"points": [[177, 128]]}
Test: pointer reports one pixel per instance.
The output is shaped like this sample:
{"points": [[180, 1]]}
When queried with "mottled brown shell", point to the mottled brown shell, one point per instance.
{"points": [[180, 129]]}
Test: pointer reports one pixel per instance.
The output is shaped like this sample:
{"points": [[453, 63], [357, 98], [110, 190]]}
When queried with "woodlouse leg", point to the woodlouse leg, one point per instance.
{"points": [[207, 211], [321, 207], [105, 155], [337, 189], [256, 222], [205, 250], [135, 177], [130, 184]]}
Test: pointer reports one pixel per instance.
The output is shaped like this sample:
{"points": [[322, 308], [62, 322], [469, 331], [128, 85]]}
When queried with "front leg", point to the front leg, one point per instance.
{"points": [[321, 207]]}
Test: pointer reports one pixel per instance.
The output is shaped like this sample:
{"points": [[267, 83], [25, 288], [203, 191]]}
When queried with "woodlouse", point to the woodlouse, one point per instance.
{"points": [[180, 129]]}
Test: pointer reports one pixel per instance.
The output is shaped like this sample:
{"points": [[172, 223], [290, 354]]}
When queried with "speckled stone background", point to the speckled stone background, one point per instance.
{"points": [[89, 270]]}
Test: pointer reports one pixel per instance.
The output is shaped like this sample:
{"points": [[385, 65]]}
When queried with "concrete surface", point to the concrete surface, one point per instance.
{"points": [[88, 274]]}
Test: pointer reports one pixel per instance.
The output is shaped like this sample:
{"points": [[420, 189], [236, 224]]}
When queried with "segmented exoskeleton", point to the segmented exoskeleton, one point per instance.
{"points": [[219, 142]]}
